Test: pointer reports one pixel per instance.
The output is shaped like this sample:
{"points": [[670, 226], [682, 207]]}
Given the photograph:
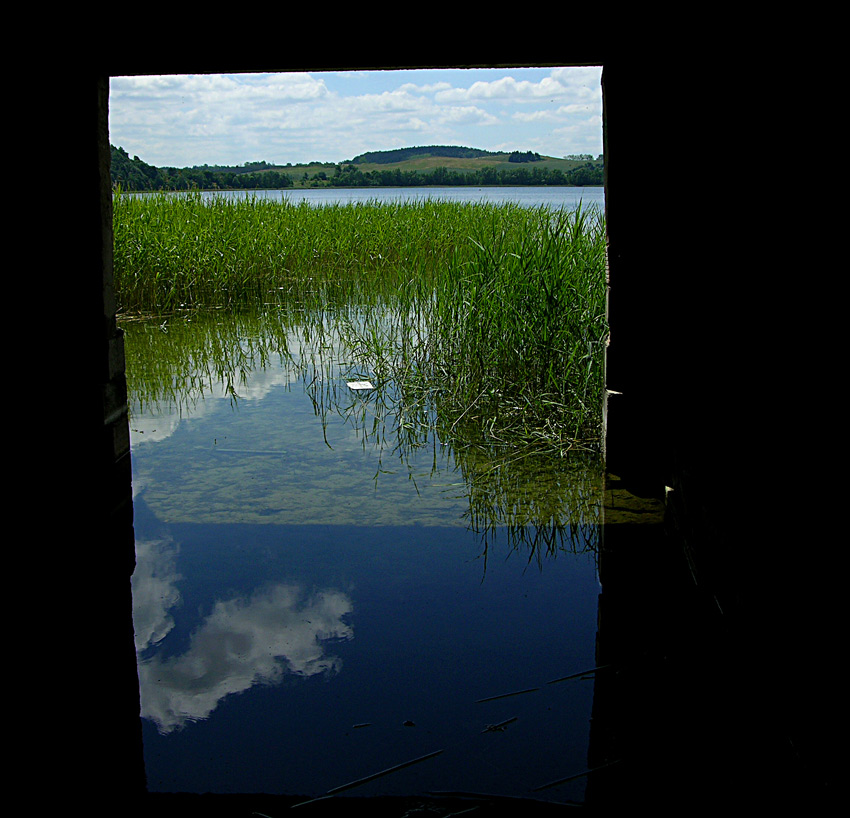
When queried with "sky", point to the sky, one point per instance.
{"points": [[231, 119]]}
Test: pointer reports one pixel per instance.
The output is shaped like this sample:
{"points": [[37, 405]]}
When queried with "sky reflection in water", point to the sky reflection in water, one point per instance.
{"points": [[318, 598]]}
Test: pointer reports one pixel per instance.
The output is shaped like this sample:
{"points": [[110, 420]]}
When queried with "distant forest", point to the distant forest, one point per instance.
{"points": [[507, 169]]}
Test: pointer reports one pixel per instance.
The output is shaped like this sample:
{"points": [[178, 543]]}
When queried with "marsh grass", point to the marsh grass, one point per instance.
{"points": [[176, 251], [491, 315]]}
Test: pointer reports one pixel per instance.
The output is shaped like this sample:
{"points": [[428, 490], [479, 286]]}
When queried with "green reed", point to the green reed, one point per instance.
{"points": [[521, 327], [495, 314], [174, 251]]}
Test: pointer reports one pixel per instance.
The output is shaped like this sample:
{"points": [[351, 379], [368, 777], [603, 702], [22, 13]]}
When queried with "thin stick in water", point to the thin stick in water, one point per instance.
{"points": [[578, 675], [506, 695], [498, 728], [389, 770], [573, 777]]}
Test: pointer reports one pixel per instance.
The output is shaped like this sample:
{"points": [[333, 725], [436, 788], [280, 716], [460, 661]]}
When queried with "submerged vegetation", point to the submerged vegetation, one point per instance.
{"points": [[523, 497], [488, 320]]}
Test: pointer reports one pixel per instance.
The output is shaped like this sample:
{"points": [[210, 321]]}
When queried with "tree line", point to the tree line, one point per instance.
{"points": [[134, 174], [588, 174]]}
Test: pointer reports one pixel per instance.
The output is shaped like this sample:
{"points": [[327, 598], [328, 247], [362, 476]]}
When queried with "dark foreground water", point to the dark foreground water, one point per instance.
{"points": [[310, 610], [300, 658]]}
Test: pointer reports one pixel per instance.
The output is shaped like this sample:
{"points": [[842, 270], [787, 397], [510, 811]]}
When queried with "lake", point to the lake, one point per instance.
{"points": [[557, 196], [326, 589]]}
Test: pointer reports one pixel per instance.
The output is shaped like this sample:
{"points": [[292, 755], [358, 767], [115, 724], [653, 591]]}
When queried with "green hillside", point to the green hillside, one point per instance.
{"points": [[404, 167]]}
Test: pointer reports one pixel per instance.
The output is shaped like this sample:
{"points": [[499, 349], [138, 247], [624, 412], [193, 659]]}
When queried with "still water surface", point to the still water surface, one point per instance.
{"points": [[323, 592], [556, 196]]}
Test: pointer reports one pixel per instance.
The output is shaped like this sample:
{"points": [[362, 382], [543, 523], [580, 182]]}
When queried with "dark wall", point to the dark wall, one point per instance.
{"points": [[696, 341], [719, 346]]}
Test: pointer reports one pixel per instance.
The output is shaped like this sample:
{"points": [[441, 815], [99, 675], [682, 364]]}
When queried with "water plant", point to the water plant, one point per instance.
{"points": [[522, 496], [491, 315]]}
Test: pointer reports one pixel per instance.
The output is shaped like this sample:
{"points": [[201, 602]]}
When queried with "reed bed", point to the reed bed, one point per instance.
{"points": [[175, 251], [493, 313]]}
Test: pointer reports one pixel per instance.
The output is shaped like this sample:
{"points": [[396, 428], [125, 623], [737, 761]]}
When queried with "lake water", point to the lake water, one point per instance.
{"points": [[556, 196], [324, 592]]}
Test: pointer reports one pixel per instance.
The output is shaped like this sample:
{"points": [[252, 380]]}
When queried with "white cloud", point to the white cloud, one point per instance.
{"points": [[242, 643], [301, 117], [431, 88], [536, 116]]}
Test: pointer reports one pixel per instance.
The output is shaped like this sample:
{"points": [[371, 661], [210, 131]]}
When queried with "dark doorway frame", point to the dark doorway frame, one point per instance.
{"points": [[675, 370]]}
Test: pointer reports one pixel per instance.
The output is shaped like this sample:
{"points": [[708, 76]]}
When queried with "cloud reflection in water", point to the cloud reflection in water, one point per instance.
{"points": [[244, 642]]}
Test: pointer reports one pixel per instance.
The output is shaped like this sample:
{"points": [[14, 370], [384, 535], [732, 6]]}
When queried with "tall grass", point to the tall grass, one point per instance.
{"points": [[186, 250], [493, 313], [520, 327]]}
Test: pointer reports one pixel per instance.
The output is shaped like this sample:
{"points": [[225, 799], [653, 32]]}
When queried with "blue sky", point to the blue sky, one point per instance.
{"points": [[332, 116]]}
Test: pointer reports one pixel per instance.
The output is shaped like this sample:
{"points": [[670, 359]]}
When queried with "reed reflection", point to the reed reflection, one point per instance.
{"points": [[535, 494]]}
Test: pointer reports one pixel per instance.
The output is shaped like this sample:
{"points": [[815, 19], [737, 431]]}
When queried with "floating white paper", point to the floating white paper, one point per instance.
{"points": [[360, 385]]}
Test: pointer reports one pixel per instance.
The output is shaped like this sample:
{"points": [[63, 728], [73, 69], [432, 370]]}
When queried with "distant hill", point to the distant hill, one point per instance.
{"points": [[445, 151], [403, 154], [442, 165]]}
